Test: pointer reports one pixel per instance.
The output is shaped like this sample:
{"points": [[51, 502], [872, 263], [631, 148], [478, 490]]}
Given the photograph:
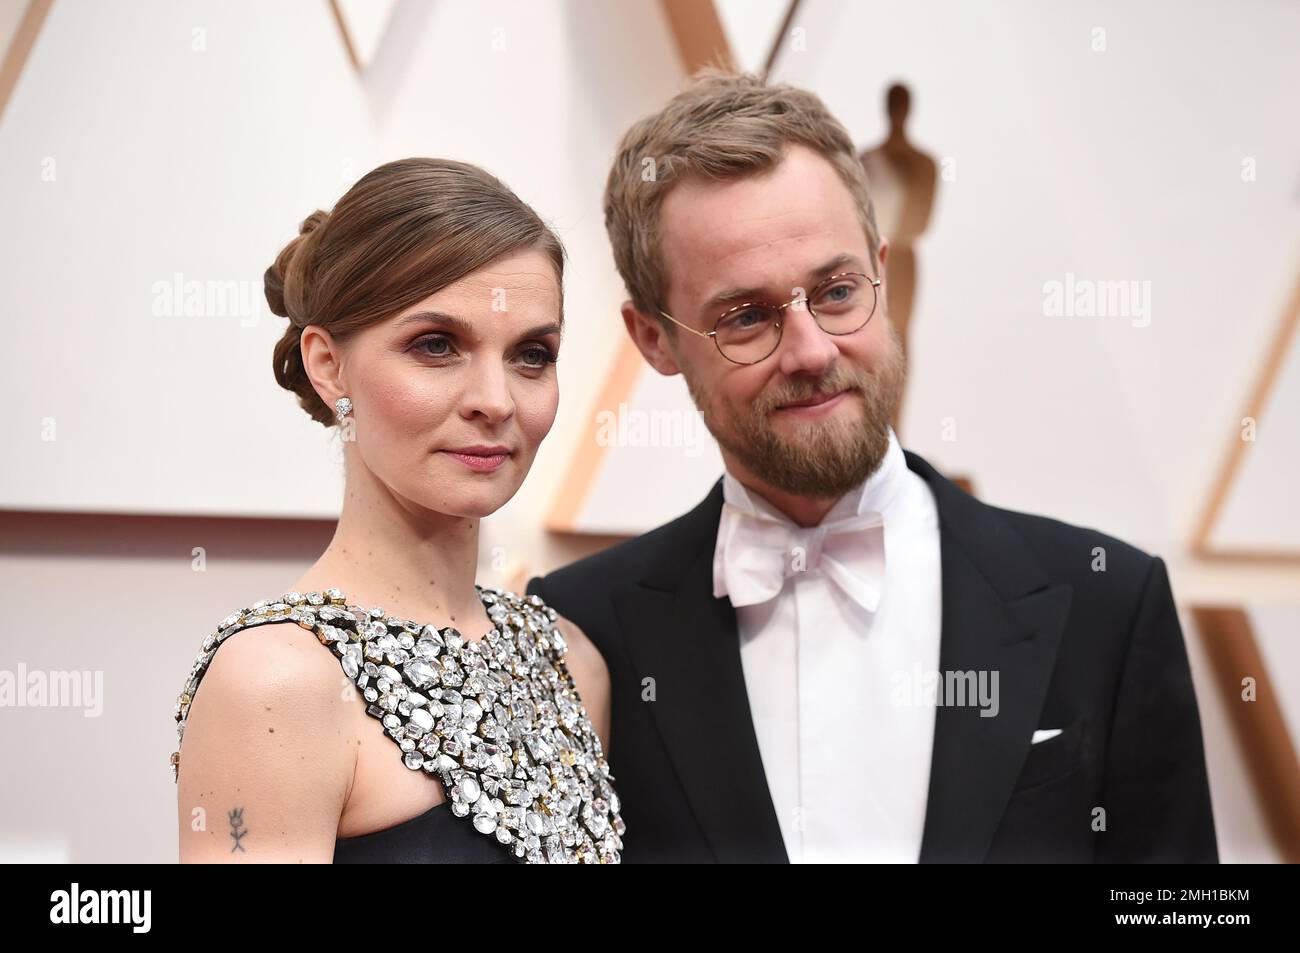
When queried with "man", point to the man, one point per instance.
{"points": [[838, 654]]}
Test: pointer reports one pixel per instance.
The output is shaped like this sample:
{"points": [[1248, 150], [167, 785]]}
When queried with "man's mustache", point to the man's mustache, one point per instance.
{"points": [[830, 384]]}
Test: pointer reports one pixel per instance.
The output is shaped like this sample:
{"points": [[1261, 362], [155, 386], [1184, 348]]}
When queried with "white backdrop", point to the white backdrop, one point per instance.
{"points": [[154, 138], [1122, 164], [1146, 144], [148, 179]]}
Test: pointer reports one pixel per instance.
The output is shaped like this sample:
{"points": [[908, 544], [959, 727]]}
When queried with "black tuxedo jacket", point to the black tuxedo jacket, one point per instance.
{"points": [[1096, 653]]}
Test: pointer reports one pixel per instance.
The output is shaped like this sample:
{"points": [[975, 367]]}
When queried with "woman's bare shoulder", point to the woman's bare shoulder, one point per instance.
{"points": [[266, 758]]}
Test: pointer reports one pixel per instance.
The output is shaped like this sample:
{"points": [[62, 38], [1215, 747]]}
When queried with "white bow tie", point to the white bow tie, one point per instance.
{"points": [[755, 554]]}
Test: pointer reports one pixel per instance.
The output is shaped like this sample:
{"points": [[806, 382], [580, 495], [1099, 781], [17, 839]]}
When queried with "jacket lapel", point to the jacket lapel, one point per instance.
{"points": [[1000, 614], [687, 641]]}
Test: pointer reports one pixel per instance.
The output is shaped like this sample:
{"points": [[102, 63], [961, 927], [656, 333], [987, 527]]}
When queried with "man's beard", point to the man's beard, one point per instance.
{"points": [[827, 458]]}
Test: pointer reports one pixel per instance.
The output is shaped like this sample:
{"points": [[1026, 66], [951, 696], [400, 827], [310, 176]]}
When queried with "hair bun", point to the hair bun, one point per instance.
{"points": [[283, 281], [313, 221]]}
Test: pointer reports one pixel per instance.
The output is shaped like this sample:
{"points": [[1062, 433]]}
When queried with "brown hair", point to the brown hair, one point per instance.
{"points": [[725, 125], [403, 232]]}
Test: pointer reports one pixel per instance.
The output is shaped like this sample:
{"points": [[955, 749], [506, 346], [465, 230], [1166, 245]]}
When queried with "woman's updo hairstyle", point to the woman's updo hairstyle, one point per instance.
{"points": [[403, 232]]}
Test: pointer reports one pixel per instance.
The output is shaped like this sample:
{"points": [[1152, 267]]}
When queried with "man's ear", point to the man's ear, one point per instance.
{"points": [[322, 359], [650, 338], [880, 273]]}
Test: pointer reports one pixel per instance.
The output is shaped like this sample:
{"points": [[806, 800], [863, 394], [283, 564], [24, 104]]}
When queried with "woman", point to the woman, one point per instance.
{"points": [[457, 723]]}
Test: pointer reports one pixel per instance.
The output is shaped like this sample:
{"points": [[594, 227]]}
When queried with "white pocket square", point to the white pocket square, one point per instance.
{"points": [[1042, 734]]}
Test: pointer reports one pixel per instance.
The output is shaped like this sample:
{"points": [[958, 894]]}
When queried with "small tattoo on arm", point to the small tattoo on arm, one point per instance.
{"points": [[237, 829]]}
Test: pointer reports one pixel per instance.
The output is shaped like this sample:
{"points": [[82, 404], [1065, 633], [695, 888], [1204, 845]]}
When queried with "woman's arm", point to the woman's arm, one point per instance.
{"points": [[267, 757]]}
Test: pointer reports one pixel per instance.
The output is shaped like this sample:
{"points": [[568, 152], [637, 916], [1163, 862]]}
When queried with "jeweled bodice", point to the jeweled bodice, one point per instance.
{"points": [[498, 720]]}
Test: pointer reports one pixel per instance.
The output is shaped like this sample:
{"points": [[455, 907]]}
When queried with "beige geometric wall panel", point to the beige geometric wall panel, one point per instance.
{"points": [[168, 175], [646, 459], [1255, 657], [1253, 513], [754, 29], [362, 24], [20, 24], [1065, 185], [144, 197]]}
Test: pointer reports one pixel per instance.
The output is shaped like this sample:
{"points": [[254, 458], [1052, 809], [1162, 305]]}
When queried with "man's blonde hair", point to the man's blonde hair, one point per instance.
{"points": [[724, 125]]}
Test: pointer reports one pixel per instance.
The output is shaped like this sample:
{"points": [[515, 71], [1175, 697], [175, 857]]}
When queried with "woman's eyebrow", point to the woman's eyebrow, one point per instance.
{"points": [[466, 328], [541, 330], [438, 317]]}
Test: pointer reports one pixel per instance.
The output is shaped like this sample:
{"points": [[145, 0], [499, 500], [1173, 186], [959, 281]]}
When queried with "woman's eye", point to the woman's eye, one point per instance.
{"points": [[537, 356], [434, 346]]}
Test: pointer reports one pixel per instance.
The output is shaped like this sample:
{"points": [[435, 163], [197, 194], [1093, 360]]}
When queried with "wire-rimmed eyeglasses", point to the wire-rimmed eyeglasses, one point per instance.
{"points": [[748, 333]]}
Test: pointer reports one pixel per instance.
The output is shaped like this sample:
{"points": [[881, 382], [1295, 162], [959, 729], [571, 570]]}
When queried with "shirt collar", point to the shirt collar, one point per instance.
{"points": [[876, 492]]}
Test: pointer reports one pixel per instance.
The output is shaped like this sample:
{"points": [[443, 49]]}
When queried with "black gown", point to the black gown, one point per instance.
{"points": [[497, 720], [435, 837]]}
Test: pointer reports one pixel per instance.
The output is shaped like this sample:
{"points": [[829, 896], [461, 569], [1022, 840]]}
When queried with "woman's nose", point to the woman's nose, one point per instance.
{"points": [[488, 394]]}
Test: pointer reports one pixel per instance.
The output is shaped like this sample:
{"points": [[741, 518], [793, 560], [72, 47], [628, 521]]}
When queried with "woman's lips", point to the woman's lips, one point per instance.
{"points": [[481, 462]]}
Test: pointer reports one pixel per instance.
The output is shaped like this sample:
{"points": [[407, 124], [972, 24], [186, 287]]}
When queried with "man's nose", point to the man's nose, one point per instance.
{"points": [[805, 347]]}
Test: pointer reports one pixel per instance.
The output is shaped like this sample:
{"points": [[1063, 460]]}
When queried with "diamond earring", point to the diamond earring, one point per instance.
{"points": [[342, 408]]}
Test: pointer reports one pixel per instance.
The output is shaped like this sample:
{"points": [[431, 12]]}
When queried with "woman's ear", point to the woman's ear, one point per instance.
{"points": [[322, 359], [651, 339]]}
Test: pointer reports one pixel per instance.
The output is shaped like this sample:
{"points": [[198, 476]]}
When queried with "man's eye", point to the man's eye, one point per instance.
{"points": [[747, 318], [842, 293]]}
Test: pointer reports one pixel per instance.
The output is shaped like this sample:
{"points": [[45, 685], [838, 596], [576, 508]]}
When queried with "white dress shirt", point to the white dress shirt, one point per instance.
{"points": [[844, 723]]}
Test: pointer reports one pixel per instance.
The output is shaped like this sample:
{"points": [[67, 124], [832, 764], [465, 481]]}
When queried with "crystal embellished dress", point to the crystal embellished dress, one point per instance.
{"points": [[497, 720]]}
